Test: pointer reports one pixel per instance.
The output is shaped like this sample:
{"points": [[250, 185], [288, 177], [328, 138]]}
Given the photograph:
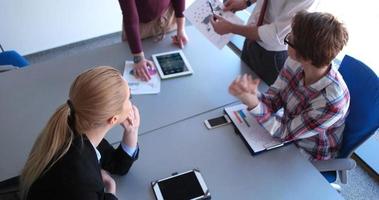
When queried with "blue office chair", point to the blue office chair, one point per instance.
{"points": [[12, 58], [362, 120]]}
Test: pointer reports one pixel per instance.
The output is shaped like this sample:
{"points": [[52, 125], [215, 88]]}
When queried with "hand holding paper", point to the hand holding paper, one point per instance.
{"points": [[200, 14]]}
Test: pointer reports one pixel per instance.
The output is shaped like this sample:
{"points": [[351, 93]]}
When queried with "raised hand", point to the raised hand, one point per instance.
{"points": [[245, 88]]}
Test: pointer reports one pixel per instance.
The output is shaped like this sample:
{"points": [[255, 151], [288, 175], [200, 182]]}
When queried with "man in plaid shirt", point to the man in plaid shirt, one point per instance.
{"points": [[309, 101]]}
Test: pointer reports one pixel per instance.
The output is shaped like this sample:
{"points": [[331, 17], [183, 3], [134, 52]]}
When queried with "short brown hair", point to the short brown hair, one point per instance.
{"points": [[318, 37]]}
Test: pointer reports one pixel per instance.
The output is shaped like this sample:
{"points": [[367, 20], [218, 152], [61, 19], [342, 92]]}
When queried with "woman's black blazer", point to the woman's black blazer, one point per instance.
{"points": [[77, 176]]}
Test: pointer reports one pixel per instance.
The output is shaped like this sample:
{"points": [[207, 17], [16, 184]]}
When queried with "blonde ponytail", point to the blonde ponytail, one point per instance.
{"points": [[95, 96], [53, 142]]}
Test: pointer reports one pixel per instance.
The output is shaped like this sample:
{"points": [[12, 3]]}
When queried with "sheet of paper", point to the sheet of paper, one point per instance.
{"points": [[200, 14], [141, 87], [255, 135]]}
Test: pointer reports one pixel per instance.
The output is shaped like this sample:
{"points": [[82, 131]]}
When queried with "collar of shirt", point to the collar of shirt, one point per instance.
{"points": [[98, 155], [325, 81]]}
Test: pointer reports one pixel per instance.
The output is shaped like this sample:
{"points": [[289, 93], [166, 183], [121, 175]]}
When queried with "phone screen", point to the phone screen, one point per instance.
{"points": [[185, 186], [217, 121]]}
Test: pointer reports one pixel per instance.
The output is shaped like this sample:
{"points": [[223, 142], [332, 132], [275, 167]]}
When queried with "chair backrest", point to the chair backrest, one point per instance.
{"points": [[12, 58], [363, 118], [9, 189]]}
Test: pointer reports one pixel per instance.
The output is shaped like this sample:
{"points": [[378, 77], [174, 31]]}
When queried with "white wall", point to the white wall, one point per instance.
{"points": [[29, 26], [361, 19]]}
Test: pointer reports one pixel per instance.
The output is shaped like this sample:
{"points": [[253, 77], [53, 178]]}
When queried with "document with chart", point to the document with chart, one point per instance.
{"points": [[254, 135], [200, 12], [137, 86]]}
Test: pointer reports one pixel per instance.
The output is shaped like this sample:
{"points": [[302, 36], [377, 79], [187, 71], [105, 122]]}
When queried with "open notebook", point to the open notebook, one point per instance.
{"points": [[256, 138]]}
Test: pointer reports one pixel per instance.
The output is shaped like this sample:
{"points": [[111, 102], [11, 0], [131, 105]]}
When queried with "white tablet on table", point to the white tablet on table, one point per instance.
{"points": [[187, 185], [172, 64]]}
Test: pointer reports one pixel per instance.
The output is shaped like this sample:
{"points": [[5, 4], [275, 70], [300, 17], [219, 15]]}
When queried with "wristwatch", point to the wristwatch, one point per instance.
{"points": [[248, 3], [138, 58]]}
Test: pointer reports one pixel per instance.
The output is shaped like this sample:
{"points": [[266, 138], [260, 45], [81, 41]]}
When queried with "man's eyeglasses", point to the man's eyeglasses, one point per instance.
{"points": [[287, 40]]}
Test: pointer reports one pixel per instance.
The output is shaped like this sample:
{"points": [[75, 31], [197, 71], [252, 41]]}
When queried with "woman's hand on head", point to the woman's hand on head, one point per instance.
{"points": [[131, 125], [132, 121]]}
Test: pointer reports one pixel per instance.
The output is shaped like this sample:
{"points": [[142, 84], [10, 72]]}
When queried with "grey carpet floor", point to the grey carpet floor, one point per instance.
{"points": [[362, 185]]}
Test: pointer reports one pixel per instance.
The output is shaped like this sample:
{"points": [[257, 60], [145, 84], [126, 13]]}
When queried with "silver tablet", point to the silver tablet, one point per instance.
{"points": [[172, 64], [186, 185]]}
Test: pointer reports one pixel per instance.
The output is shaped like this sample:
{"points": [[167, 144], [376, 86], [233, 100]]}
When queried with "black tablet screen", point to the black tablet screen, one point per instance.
{"points": [[181, 187], [172, 63]]}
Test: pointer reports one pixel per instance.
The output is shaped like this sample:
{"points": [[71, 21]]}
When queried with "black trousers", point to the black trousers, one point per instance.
{"points": [[266, 64]]}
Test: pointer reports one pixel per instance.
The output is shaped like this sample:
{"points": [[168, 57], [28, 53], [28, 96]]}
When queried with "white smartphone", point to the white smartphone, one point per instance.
{"points": [[187, 185], [217, 122]]}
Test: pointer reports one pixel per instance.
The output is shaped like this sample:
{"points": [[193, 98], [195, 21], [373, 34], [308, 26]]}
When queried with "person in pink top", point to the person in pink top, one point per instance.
{"points": [[147, 18]]}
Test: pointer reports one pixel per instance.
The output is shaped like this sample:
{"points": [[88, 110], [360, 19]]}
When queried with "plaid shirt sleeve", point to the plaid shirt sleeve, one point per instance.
{"points": [[320, 116], [272, 98]]}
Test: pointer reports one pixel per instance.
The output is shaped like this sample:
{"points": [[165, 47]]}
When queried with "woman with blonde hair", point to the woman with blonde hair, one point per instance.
{"points": [[71, 159]]}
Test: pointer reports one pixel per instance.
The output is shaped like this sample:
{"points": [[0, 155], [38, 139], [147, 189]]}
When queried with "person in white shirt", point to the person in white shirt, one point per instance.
{"points": [[270, 21]]}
